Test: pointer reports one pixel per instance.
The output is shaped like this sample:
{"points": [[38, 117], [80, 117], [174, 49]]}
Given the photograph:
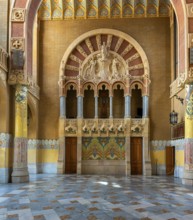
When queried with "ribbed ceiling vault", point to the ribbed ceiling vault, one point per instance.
{"points": [[100, 9]]}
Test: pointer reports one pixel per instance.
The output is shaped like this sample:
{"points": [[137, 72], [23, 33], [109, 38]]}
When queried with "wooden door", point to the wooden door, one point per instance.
{"points": [[136, 156], [71, 155], [170, 160]]}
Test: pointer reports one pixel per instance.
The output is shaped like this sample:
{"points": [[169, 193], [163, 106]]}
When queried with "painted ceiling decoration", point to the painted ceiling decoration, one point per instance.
{"points": [[100, 9]]}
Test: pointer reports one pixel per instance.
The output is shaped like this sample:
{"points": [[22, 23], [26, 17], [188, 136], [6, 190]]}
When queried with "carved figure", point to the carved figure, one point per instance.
{"points": [[104, 52], [115, 64]]}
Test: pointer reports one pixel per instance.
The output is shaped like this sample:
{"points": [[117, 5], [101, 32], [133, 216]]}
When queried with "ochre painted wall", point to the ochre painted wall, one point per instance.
{"points": [[153, 34]]}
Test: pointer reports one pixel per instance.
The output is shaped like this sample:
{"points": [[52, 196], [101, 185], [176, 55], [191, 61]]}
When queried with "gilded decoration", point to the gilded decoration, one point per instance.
{"points": [[103, 148], [18, 15], [94, 9]]}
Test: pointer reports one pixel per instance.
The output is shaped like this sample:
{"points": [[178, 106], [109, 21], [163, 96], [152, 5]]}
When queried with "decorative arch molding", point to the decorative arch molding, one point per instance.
{"points": [[182, 23], [104, 55]]}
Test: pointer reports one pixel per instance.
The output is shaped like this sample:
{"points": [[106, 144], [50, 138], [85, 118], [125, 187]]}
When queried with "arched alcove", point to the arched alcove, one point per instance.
{"points": [[118, 102], [136, 103], [103, 102], [88, 104], [71, 103]]}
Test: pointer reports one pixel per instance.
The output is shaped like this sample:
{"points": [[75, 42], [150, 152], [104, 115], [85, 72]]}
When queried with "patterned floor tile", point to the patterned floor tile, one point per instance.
{"points": [[56, 197]]}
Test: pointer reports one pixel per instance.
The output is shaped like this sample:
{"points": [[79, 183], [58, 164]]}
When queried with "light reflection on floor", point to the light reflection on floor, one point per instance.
{"points": [[54, 197]]}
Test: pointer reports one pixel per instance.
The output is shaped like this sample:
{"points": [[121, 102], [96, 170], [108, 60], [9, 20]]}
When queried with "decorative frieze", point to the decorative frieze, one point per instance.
{"points": [[18, 15], [159, 145], [6, 140], [43, 144], [18, 44], [107, 127]]}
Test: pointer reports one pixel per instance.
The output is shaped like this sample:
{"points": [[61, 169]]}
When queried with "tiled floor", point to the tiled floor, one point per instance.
{"points": [[83, 197]]}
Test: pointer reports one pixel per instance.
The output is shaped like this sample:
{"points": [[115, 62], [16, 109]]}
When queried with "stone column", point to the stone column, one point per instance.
{"points": [[96, 106], [127, 156], [145, 106], [111, 107], [188, 151], [63, 106], [80, 106], [20, 170], [79, 155], [127, 106]]}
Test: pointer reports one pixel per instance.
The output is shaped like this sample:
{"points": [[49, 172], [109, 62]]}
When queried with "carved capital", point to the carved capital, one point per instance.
{"points": [[17, 44], [190, 10], [18, 15], [17, 77]]}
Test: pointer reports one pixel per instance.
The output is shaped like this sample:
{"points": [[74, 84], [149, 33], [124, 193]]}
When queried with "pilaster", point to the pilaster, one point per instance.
{"points": [[188, 151], [20, 171]]}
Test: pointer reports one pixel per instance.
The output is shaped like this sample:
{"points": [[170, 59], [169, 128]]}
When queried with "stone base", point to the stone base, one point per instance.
{"points": [[187, 178], [147, 169], [20, 175], [103, 167], [5, 175], [60, 168], [187, 182], [20, 179]]}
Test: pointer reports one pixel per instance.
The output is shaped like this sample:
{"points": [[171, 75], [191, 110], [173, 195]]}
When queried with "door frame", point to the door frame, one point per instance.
{"points": [[65, 138]]}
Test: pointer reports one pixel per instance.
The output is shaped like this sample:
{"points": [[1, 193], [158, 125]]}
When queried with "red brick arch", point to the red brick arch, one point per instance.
{"points": [[25, 30]]}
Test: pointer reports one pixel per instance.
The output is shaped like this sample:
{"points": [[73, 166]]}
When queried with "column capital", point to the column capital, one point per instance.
{"points": [[17, 77]]}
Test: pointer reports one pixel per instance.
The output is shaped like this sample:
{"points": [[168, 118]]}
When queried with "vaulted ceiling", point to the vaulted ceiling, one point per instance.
{"points": [[100, 9]]}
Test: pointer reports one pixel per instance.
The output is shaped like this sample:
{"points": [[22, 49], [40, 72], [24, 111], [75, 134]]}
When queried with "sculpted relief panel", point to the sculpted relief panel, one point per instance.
{"points": [[105, 55], [104, 65]]}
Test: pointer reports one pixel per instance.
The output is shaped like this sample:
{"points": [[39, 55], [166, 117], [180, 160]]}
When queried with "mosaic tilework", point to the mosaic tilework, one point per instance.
{"points": [[43, 144], [75, 197], [103, 148], [69, 9], [5, 140]]}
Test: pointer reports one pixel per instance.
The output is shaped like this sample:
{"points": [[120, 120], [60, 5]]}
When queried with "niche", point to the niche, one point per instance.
{"points": [[71, 103], [103, 102], [118, 102], [136, 103], [89, 103]]}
